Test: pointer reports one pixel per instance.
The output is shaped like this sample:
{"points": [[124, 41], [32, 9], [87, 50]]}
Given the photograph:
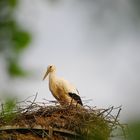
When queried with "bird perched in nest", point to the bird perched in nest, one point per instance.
{"points": [[62, 90]]}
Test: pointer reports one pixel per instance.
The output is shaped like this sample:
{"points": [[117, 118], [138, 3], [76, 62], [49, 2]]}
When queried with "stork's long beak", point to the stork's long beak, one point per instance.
{"points": [[47, 72]]}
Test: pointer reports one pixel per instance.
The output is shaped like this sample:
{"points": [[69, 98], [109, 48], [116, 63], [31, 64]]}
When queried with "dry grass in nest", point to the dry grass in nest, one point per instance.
{"points": [[44, 120]]}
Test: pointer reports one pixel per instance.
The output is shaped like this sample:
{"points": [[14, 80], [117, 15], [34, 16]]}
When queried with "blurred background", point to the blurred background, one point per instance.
{"points": [[93, 43]]}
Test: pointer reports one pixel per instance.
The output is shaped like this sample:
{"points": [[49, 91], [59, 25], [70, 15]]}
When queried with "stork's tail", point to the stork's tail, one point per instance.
{"points": [[76, 98]]}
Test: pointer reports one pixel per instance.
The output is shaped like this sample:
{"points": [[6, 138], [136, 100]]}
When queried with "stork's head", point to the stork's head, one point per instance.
{"points": [[50, 68]]}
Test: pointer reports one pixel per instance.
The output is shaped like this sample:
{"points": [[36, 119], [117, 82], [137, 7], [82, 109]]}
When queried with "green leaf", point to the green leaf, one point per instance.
{"points": [[135, 130], [15, 70], [20, 40], [9, 108], [12, 3]]}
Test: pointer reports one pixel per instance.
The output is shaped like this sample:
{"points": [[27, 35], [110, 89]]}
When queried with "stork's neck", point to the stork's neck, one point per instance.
{"points": [[52, 77]]}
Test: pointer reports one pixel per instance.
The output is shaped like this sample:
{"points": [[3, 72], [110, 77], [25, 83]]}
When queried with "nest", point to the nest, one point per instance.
{"points": [[34, 121]]}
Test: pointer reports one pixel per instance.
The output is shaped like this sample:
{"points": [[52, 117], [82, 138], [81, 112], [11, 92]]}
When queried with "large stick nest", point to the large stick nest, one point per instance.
{"points": [[47, 119]]}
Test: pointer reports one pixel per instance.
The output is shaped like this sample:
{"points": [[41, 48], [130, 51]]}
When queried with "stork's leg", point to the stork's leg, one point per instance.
{"points": [[71, 101]]}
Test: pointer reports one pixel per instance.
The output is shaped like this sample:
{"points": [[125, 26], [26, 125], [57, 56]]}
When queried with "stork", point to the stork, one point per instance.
{"points": [[64, 92]]}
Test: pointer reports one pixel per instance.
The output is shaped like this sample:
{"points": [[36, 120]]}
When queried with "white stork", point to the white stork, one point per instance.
{"points": [[62, 90]]}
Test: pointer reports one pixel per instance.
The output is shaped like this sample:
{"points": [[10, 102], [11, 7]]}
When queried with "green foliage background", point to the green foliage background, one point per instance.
{"points": [[13, 39]]}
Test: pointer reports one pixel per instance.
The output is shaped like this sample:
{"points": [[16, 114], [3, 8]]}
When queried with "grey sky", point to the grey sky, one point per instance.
{"points": [[94, 45]]}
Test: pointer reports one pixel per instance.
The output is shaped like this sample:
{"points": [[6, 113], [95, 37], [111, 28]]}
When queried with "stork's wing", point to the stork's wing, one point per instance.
{"points": [[76, 98], [71, 91], [67, 87]]}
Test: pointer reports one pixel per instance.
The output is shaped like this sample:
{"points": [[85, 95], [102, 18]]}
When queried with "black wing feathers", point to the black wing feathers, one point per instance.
{"points": [[76, 98]]}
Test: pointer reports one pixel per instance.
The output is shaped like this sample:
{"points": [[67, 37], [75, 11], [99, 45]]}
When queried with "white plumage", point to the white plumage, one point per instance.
{"points": [[62, 90]]}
